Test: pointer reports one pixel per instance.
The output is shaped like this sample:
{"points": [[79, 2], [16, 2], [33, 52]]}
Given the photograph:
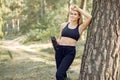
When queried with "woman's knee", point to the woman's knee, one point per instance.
{"points": [[59, 75]]}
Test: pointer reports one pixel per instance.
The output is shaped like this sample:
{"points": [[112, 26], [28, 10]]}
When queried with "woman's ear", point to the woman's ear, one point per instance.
{"points": [[79, 17]]}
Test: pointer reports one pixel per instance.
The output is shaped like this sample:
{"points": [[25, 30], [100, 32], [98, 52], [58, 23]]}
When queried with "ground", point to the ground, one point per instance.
{"points": [[30, 62]]}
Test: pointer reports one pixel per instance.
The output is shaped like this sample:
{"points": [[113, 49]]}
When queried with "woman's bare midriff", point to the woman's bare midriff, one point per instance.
{"points": [[66, 41]]}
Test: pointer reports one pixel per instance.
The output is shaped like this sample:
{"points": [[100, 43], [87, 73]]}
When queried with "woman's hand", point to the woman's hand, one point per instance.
{"points": [[74, 7], [57, 40]]}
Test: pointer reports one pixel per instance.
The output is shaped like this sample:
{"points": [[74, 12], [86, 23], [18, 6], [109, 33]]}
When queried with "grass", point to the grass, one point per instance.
{"points": [[6, 54], [48, 50], [45, 57], [79, 51], [27, 69]]}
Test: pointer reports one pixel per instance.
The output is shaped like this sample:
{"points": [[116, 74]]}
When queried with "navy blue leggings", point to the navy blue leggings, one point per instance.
{"points": [[64, 57]]}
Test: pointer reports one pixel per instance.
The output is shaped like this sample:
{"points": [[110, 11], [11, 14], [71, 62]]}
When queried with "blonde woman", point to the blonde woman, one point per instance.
{"points": [[69, 35]]}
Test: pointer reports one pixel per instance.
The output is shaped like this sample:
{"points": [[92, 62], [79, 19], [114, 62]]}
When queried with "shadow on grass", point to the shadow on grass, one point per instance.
{"points": [[26, 70], [48, 50], [29, 70]]}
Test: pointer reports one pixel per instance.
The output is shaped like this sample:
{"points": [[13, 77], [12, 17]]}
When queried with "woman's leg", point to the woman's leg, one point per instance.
{"points": [[65, 63], [58, 57]]}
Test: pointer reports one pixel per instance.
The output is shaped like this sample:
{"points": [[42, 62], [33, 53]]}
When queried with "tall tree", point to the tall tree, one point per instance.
{"points": [[2, 7], [42, 9], [74, 1], [83, 4], [101, 58]]}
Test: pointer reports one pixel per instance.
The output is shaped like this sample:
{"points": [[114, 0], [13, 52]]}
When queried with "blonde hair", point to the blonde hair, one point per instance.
{"points": [[80, 20]]}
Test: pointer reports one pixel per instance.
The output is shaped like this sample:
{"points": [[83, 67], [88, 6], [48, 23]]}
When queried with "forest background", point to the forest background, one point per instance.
{"points": [[37, 19], [26, 26]]}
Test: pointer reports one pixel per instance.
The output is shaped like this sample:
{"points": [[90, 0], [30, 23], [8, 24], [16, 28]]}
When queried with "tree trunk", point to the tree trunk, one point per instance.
{"points": [[83, 4], [74, 1], [42, 9], [101, 58], [68, 2]]}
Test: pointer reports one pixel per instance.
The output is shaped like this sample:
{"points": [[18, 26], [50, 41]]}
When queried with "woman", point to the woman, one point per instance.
{"points": [[69, 34]]}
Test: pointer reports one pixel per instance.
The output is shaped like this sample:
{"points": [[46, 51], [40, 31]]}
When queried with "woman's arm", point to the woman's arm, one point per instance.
{"points": [[88, 19], [84, 13], [61, 28]]}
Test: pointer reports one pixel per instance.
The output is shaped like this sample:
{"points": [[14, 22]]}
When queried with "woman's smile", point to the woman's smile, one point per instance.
{"points": [[73, 15]]}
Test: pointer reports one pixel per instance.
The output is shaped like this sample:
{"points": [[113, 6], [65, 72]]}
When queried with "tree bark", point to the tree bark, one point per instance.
{"points": [[83, 4], [101, 58], [74, 1], [68, 2], [42, 8]]}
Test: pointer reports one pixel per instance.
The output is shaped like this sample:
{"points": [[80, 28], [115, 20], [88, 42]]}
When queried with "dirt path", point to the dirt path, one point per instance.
{"points": [[27, 51], [38, 60], [32, 52]]}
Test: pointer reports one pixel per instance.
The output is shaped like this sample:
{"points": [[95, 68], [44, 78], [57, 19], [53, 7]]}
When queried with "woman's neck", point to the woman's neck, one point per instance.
{"points": [[73, 24]]}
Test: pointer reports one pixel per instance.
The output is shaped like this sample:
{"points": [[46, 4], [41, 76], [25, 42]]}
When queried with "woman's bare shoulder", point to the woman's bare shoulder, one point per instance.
{"points": [[63, 24], [80, 29]]}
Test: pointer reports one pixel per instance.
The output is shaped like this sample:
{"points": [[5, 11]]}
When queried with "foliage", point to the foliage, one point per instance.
{"points": [[39, 19], [89, 5]]}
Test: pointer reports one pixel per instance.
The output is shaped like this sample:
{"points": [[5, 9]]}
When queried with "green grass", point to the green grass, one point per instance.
{"points": [[79, 51], [6, 54], [26, 70], [79, 48], [46, 58], [48, 50], [75, 63], [29, 70]]}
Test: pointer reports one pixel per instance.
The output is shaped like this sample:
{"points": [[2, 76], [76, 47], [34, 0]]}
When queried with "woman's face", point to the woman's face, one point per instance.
{"points": [[74, 15]]}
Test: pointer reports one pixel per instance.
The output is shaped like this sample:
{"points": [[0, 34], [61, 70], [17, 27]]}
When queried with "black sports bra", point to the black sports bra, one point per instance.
{"points": [[72, 33]]}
